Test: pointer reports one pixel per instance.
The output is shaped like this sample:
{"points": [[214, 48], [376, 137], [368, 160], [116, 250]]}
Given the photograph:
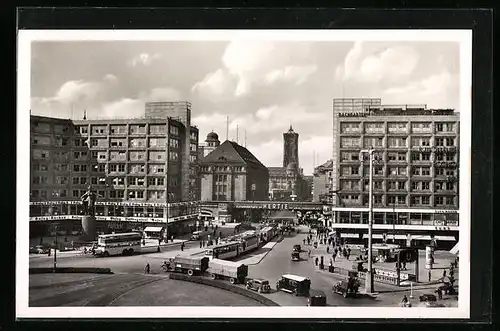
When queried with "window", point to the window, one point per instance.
{"points": [[377, 199], [439, 141], [450, 186], [374, 127], [350, 142], [396, 127], [445, 127], [396, 142], [354, 170], [138, 129], [137, 142], [156, 156], [421, 127], [42, 127], [425, 186], [372, 142], [121, 168], [60, 167], [347, 127], [137, 156], [118, 129], [61, 180], [377, 185], [40, 154], [118, 142], [439, 200], [99, 129], [194, 135], [156, 142], [157, 129], [401, 200], [174, 130], [118, 181], [193, 158], [420, 142], [193, 147], [426, 171], [378, 170], [173, 156], [391, 200], [84, 129], [137, 168], [450, 142], [425, 200], [93, 180], [41, 140], [75, 193], [173, 143]]}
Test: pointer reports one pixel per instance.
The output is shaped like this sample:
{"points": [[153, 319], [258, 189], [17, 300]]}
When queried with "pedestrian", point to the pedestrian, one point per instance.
{"points": [[430, 274], [348, 251], [201, 243], [147, 268], [316, 261], [334, 255], [159, 241], [182, 246], [171, 239], [404, 265], [309, 253], [444, 273], [327, 249], [440, 294], [304, 241]]}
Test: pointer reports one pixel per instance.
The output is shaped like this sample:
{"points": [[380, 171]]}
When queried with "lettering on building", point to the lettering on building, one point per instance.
{"points": [[357, 114]]}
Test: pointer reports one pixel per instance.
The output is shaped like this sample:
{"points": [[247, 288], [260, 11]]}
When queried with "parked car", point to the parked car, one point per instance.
{"points": [[258, 284], [294, 284], [295, 256], [347, 287], [427, 298], [196, 235], [297, 248], [39, 249], [316, 298]]}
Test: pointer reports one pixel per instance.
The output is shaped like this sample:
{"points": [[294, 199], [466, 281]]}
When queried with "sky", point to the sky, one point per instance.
{"points": [[263, 86]]}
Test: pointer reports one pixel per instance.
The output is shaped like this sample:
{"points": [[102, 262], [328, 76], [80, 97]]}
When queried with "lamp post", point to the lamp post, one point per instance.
{"points": [[369, 274], [55, 248], [394, 222]]}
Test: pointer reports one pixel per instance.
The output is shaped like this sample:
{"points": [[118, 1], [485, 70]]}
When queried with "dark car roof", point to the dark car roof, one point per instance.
{"points": [[316, 293]]}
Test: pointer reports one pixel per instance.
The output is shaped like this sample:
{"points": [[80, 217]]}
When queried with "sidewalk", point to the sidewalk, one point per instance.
{"points": [[259, 254], [442, 261]]}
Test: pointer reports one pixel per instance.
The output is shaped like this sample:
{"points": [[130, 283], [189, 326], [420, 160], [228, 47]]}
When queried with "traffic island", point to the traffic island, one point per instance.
{"points": [[224, 286]]}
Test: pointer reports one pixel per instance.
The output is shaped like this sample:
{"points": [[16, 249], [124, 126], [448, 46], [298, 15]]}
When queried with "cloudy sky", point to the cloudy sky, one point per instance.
{"points": [[262, 86]]}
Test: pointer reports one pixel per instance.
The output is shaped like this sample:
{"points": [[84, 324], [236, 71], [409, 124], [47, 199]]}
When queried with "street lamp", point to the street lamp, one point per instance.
{"points": [[369, 274], [55, 248]]}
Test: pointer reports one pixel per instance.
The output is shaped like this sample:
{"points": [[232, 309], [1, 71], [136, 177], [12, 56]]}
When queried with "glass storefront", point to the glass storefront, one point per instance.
{"points": [[398, 218]]}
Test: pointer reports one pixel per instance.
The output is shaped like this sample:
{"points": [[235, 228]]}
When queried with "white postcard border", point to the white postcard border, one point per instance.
{"points": [[25, 37]]}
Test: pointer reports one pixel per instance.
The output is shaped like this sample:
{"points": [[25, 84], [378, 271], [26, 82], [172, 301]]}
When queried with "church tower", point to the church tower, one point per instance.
{"points": [[291, 148]]}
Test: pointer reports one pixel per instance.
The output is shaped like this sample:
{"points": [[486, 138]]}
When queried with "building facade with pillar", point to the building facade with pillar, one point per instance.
{"points": [[131, 163], [232, 173], [416, 171]]}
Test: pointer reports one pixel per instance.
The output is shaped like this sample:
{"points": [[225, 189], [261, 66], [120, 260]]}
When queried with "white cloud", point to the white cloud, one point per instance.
{"points": [[110, 78], [436, 91], [265, 113], [163, 94], [366, 64], [218, 83], [295, 74], [123, 108], [144, 59], [76, 90], [247, 63]]}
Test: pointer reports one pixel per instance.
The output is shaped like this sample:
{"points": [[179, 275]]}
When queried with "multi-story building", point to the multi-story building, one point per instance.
{"points": [[286, 183], [322, 183], [415, 175], [135, 165]]}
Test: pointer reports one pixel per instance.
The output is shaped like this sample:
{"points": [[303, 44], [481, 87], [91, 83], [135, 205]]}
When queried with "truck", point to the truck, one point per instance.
{"points": [[192, 265], [234, 271]]}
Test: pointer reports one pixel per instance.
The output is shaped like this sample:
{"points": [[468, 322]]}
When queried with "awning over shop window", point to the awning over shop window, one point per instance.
{"points": [[153, 229]]}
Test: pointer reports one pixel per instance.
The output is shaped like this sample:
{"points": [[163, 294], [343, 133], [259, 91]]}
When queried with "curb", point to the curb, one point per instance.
{"points": [[263, 256], [209, 282], [75, 270]]}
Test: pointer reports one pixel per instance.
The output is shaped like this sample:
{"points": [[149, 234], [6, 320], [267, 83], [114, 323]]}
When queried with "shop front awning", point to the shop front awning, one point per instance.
{"points": [[153, 229]]}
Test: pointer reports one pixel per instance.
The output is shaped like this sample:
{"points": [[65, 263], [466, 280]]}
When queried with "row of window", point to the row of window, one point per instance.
{"points": [[137, 181], [400, 156], [397, 171], [397, 142], [113, 155], [397, 127], [112, 194], [222, 168], [400, 185], [122, 129], [398, 200]]}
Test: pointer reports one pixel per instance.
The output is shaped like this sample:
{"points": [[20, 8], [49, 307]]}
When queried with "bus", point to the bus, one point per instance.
{"points": [[118, 244], [224, 251]]}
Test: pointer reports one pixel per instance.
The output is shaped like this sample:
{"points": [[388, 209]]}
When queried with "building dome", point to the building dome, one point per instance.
{"points": [[292, 166], [212, 136]]}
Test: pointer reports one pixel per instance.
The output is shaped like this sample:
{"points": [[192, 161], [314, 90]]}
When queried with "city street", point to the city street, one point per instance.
{"points": [[268, 262]]}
